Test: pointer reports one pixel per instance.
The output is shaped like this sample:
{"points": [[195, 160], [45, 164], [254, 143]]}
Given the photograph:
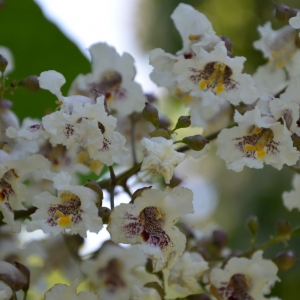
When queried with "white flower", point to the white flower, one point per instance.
{"points": [[113, 271], [292, 199], [53, 81], [182, 279], [149, 222], [193, 27], [112, 76], [142, 293], [6, 53], [90, 127], [295, 21], [160, 156], [62, 291], [12, 192], [279, 47], [255, 141], [215, 77], [73, 210], [244, 278]]}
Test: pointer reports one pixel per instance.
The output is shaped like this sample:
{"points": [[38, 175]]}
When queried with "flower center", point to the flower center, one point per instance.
{"points": [[67, 213], [216, 76], [260, 138], [111, 275], [240, 285]]}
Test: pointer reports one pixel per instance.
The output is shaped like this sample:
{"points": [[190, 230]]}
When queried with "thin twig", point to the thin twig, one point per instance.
{"points": [[112, 186]]}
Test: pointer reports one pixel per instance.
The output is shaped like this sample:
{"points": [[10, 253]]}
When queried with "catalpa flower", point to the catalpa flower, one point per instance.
{"points": [[292, 199], [149, 222], [89, 127], [279, 47], [255, 141], [112, 76], [160, 157], [53, 81], [193, 27], [182, 280], [113, 271], [215, 77], [73, 209], [62, 291], [244, 278], [12, 192]]}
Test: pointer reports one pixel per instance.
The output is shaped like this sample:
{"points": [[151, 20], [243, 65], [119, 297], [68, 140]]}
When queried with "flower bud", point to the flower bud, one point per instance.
{"points": [[196, 142], [160, 132], [30, 83], [253, 225], [285, 260], [183, 122], [150, 114], [104, 213], [219, 238], [283, 230], [2, 4], [3, 63], [228, 45], [164, 122], [281, 12]]}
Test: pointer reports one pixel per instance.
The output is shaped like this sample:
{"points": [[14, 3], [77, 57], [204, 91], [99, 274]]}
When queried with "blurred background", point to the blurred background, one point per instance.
{"points": [[54, 35]]}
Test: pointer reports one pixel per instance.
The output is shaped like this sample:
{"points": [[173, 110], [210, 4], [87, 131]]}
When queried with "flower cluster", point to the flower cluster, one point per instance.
{"points": [[109, 130]]}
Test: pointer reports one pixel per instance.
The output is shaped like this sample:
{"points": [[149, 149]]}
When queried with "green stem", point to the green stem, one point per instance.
{"points": [[271, 242], [105, 184], [112, 186], [132, 137]]}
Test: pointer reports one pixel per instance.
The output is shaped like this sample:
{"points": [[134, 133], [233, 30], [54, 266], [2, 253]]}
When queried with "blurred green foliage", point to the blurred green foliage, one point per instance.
{"points": [[250, 192], [37, 45]]}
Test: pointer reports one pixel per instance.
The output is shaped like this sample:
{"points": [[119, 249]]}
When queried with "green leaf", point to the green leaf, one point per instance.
{"points": [[37, 45]]}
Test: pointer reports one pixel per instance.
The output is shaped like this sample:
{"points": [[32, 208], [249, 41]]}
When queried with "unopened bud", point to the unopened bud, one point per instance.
{"points": [[285, 260], [292, 12], [150, 114], [96, 188], [228, 45], [281, 12], [183, 122], [219, 238], [30, 83], [283, 230], [253, 225], [164, 122], [104, 214], [156, 286], [2, 4], [3, 63], [196, 142], [198, 297], [160, 132]]}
